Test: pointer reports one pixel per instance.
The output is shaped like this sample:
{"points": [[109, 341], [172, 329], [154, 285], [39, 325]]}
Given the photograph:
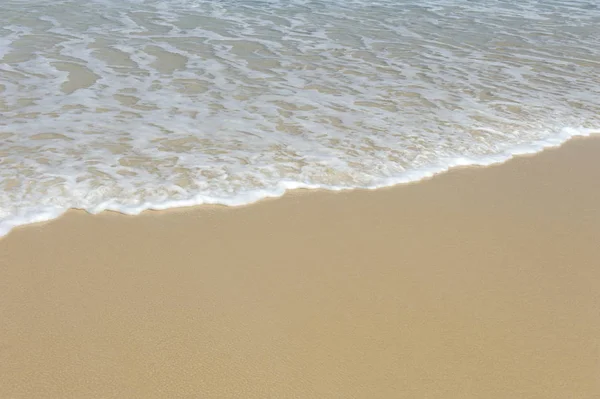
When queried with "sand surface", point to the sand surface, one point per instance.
{"points": [[479, 283]]}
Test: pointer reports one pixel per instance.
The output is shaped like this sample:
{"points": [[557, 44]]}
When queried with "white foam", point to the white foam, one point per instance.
{"points": [[46, 213], [133, 105]]}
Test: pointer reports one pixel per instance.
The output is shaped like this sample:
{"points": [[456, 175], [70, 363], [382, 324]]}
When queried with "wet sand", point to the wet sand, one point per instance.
{"points": [[479, 283]]}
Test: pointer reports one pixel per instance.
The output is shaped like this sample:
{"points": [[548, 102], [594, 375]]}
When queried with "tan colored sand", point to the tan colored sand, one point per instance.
{"points": [[481, 283]]}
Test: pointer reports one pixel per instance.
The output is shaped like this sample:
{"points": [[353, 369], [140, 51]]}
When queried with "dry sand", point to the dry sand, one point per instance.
{"points": [[479, 283]]}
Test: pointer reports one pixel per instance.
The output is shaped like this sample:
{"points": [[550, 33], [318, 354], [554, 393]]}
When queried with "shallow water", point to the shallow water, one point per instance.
{"points": [[136, 104]]}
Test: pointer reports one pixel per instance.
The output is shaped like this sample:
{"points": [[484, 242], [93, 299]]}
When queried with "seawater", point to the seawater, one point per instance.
{"points": [[129, 105]]}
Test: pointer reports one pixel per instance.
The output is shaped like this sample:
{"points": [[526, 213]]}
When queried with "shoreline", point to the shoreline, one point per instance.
{"points": [[286, 187], [478, 282]]}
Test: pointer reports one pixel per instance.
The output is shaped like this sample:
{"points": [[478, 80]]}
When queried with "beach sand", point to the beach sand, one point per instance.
{"points": [[478, 283]]}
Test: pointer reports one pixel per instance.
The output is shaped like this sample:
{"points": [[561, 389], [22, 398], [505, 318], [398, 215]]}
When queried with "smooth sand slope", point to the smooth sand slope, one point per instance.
{"points": [[480, 283]]}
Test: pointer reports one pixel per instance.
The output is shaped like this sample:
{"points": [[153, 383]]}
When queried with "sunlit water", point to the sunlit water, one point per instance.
{"points": [[136, 104]]}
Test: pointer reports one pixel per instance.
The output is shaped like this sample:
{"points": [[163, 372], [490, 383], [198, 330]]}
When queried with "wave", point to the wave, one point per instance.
{"points": [[48, 213], [128, 105]]}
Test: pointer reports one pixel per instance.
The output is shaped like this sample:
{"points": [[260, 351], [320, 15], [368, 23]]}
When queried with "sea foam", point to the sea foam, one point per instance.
{"points": [[134, 105]]}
